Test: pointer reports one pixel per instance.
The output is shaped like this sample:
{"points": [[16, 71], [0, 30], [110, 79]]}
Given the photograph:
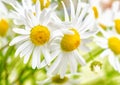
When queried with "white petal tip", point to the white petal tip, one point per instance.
{"points": [[10, 44], [25, 61], [83, 63], [33, 67], [61, 76]]}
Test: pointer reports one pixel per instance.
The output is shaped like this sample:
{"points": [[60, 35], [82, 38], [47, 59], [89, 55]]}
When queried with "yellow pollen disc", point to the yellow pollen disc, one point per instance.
{"points": [[56, 79], [70, 42], [34, 1], [117, 25], [94, 64], [114, 44], [39, 35], [102, 26], [43, 3], [34, 13], [96, 14], [3, 27]]}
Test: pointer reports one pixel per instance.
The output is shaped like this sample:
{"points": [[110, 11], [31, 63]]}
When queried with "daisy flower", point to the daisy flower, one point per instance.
{"points": [[104, 12], [19, 9], [3, 19], [97, 11], [110, 42], [77, 28], [4, 26], [116, 9], [96, 66], [34, 39], [67, 80]]}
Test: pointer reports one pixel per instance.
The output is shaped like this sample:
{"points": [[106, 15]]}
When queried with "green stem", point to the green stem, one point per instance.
{"points": [[4, 47], [3, 63], [93, 54]]}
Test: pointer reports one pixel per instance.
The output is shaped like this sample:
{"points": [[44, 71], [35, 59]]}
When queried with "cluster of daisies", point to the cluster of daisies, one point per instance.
{"points": [[48, 40]]}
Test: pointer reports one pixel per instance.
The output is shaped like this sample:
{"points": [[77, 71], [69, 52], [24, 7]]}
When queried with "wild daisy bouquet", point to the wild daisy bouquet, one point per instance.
{"points": [[59, 42]]}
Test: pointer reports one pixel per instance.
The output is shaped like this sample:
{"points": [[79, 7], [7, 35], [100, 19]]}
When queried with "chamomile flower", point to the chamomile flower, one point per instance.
{"points": [[110, 42], [96, 66], [4, 25], [77, 28], [97, 11], [3, 20], [34, 39], [19, 9], [67, 80], [116, 9], [104, 12]]}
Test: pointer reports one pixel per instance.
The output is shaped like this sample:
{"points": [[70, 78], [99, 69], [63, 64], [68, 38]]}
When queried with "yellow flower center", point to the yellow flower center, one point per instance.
{"points": [[70, 42], [39, 35], [43, 3], [117, 25], [114, 44], [34, 1], [3, 27], [102, 26], [95, 64], [96, 14], [56, 79]]}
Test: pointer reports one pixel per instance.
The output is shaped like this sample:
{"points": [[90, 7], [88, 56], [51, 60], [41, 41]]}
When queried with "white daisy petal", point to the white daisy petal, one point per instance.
{"points": [[105, 53], [87, 34], [18, 39], [65, 12], [28, 20], [55, 66], [54, 34], [83, 47], [63, 67], [73, 64], [27, 56], [55, 53], [102, 42], [38, 62], [53, 56], [21, 31], [72, 10], [38, 8], [55, 18], [47, 20], [78, 8], [67, 32], [24, 3], [4, 10], [86, 25], [111, 59], [117, 64], [26, 50], [105, 34], [79, 58], [80, 18], [42, 16], [47, 56], [34, 57], [100, 39], [22, 47], [38, 58]]}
